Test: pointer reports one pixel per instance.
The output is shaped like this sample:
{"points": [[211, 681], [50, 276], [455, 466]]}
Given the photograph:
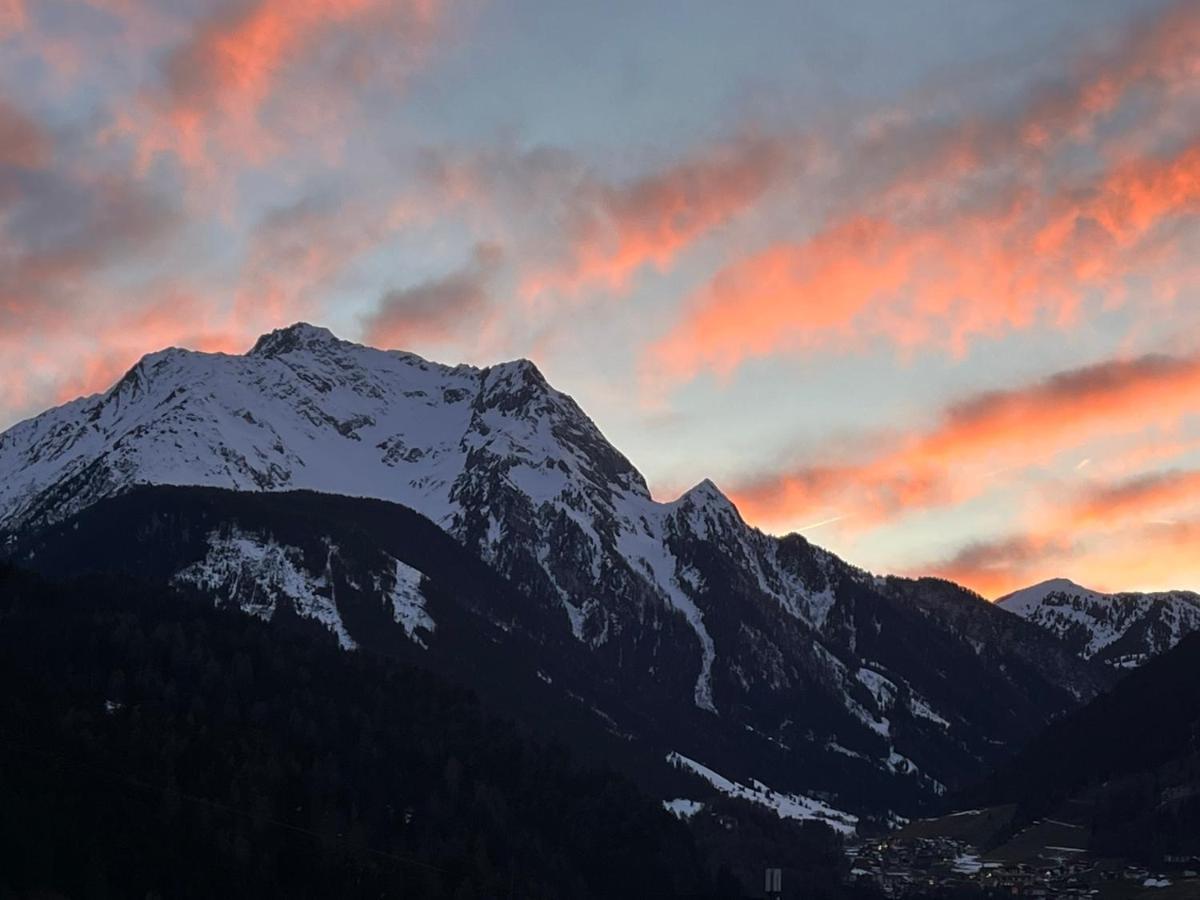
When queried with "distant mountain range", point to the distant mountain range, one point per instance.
{"points": [[1123, 630], [477, 521]]}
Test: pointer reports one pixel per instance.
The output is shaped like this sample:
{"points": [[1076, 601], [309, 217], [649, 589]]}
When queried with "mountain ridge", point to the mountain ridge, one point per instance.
{"points": [[1123, 629], [779, 640]]}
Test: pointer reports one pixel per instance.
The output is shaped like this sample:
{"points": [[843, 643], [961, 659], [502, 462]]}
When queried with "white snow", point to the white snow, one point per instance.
{"points": [[967, 864], [408, 603], [881, 725], [646, 551], [683, 809], [920, 707], [1063, 824], [881, 688], [1066, 609], [255, 573], [786, 806], [304, 410], [845, 751]]}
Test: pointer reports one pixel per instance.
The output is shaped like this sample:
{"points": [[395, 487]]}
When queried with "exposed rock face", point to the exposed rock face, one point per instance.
{"points": [[1124, 630], [827, 675]]}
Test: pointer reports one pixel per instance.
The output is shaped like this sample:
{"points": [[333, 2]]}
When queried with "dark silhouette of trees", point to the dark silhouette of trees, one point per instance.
{"points": [[151, 746]]}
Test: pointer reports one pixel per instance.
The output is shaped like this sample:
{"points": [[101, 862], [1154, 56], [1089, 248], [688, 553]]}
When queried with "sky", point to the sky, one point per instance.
{"points": [[917, 280]]}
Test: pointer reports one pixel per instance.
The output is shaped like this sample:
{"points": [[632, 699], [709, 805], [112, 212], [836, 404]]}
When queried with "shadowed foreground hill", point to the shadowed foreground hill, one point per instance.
{"points": [[153, 746], [1133, 754]]}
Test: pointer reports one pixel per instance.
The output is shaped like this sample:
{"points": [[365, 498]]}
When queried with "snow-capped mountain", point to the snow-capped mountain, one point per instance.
{"points": [[495, 456], [772, 659], [1123, 630]]}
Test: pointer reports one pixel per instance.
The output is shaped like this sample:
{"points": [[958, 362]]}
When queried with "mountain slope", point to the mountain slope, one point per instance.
{"points": [[1123, 630], [244, 760], [1131, 756], [794, 667], [383, 580]]}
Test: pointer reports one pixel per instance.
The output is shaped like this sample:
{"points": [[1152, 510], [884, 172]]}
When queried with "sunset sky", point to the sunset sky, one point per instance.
{"points": [[920, 279]]}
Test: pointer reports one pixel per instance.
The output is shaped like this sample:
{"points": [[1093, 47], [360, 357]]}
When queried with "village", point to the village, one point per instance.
{"points": [[907, 866]]}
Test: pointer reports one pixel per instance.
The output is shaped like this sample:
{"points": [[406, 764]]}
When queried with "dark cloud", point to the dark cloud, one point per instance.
{"points": [[62, 230], [435, 308], [24, 143], [1003, 554]]}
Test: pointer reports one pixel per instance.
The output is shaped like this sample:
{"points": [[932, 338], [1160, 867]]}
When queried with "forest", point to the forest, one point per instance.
{"points": [[1132, 756], [154, 746]]}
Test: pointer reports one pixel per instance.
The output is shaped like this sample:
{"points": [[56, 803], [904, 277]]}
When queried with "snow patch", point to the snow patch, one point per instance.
{"points": [[1101, 620], [919, 707], [649, 554], [683, 809], [967, 864], [408, 603], [882, 689], [256, 572], [786, 806]]}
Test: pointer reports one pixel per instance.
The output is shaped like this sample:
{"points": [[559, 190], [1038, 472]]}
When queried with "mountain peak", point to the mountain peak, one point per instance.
{"points": [[1123, 630], [704, 501], [517, 372], [1037, 592], [293, 337], [705, 493]]}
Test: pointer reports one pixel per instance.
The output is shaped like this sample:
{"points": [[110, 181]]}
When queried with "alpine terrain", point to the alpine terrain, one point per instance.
{"points": [[476, 518], [1123, 630]]}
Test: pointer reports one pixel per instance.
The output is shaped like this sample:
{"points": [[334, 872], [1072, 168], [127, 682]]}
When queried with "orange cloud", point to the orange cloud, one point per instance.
{"points": [[1158, 556], [997, 567], [614, 230], [1106, 533], [950, 461], [945, 232], [1022, 260], [84, 349], [1154, 556], [1149, 450], [1124, 533], [12, 17], [177, 318], [1157, 58], [1156, 61], [1138, 499], [255, 57]]}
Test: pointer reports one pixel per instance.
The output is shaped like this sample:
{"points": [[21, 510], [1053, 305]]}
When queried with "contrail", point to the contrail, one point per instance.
{"points": [[819, 524]]}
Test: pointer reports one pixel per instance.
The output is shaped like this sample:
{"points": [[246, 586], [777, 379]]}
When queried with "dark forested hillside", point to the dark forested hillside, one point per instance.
{"points": [[153, 746], [933, 647], [517, 657], [1132, 756]]}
